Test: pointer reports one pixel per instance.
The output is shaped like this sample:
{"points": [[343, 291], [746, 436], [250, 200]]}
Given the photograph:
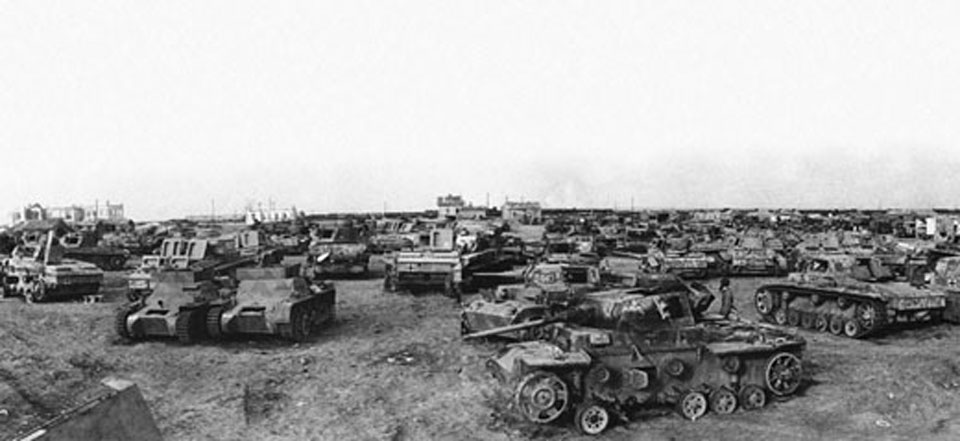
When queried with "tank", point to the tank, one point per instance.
{"points": [[78, 246], [946, 278], [750, 256], [177, 308], [852, 296], [41, 273], [436, 267], [273, 301], [643, 350], [338, 248], [547, 289]]}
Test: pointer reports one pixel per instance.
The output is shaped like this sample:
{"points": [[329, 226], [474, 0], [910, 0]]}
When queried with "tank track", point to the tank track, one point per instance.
{"points": [[213, 322], [305, 318], [189, 325], [838, 313]]}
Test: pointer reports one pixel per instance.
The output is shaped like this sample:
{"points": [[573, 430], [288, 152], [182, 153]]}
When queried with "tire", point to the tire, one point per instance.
{"points": [[120, 323], [542, 397], [852, 328], [752, 397], [836, 325], [592, 419], [692, 405], [723, 401]]}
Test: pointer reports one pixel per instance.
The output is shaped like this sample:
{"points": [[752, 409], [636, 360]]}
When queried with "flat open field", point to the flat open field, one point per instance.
{"points": [[393, 368]]}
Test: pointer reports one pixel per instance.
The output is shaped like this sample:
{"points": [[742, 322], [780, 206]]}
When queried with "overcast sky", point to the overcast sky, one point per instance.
{"points": [[345, 105]]}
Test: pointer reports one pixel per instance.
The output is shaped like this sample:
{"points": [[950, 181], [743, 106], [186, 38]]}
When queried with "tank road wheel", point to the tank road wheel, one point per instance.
{"points": [[213, 322], [843, 302], [752, 397], [783, 374], [763, 300], [117, 263], [187, 326], [731, 364], [120, 322], [675, 367], [780, 316], [37, 293], [592, 419], [692, 405], [867, 316], [723, 401], [807, 320], [836, 325], [793, 317], [852, 328], [542, 397], [822, 322]]}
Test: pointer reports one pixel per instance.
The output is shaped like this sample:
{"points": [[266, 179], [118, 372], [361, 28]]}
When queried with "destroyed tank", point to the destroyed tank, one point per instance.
{"points": [[82, 247], [853, 296], [547, 289], [750, 256], [177, 308], [40, 273], [273, 301], [438, 266], [645, 350]]}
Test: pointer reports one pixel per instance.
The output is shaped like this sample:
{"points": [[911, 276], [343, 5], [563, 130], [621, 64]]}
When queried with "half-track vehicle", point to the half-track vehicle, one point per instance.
{"points": [[547, 289], [439, 266], [273, 301], [41, 273], [853, 296], [644, 350], [177, 308]]}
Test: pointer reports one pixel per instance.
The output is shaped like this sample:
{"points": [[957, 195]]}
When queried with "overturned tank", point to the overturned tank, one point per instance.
{"points": [[847, 295], [273, 301], [644, 350]]}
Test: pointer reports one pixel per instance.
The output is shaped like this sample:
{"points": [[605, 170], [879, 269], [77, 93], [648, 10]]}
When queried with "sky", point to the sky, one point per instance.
{"points": [[183, 107]]}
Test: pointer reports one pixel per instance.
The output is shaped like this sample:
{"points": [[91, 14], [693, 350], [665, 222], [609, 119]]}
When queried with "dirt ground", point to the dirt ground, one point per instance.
{"points": [[393, 368]]}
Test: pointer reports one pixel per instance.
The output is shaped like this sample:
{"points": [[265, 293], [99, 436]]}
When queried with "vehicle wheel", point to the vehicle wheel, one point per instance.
{"points": [[120, 323], [542, 397], [780, 316], [213, 322], [117, 263], [37, 293], [674, 367], [764, 302], [867, 315], [752, 397], [807, 320], [592, 419], [836, 325], [723, 401], [692, 405], [843, 302], [186, 326], [822, 322], [783, 373], [852, 328], [793, 317], [731, 364]]}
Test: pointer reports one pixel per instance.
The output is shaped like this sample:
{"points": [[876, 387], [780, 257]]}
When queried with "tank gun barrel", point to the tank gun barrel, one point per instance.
{"points": [[510, 328]]}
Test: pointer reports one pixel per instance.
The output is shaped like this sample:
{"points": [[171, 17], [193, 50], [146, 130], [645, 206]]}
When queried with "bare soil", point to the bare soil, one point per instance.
{"points": [[393, 368]]}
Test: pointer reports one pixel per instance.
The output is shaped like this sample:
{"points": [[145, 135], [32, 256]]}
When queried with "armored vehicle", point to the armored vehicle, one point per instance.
{"points": [[40, 273], [338, 248], [273, 301], [547, 289], [439, 266], [643, 350], [177, 308], [750, 256], [946, 278], [78, 246], [846, 295]]}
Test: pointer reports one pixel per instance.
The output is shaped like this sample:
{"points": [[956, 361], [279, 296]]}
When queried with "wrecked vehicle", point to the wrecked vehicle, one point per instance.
{"points": [[645, 350], [750, 256], [273, 301], [338, 248], [78, 246], [41, 273], [177, 308], [437, 267], [547, 289], [846, 295]]}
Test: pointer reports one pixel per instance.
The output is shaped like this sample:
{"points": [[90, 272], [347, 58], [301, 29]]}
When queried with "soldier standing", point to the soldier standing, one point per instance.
{"points": [[727, 308]]}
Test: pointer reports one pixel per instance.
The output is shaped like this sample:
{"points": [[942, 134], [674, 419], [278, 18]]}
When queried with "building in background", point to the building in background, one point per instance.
{"points": [[522, 212], [73, 214], [449, 205]]}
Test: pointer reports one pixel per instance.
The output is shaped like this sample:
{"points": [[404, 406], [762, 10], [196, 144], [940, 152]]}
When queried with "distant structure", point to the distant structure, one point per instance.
{"points": [[523, 212], [449, 205], [73, 214], [272, 215]]}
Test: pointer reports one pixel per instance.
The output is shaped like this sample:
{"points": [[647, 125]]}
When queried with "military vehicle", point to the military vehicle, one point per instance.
{"points": [[273, 301], [946, 278], [547, 289], [177, 308], [640, 350], [750, 256], [438, 266], [78, 246], [338, 248], [854, 296], [40, 273], [208, 258]]}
